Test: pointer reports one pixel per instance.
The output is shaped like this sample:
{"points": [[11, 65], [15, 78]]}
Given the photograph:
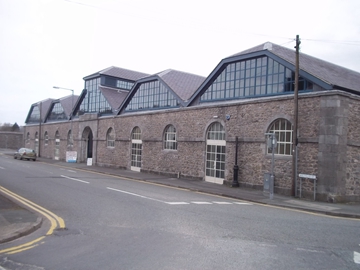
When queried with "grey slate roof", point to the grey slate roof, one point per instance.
{"points": [[330, 73], [119, 73], [67, 104], [182, 83], [113, 96]]}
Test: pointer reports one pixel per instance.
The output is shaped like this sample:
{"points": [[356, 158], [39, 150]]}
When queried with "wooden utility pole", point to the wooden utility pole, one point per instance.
{"points": [[295, 129]]}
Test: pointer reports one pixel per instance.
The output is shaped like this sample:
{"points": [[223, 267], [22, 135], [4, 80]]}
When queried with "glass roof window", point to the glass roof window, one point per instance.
{"points": [[94, 101], [152, 95], [57, 113], [116, 83], [34, 115], [254, 77]]}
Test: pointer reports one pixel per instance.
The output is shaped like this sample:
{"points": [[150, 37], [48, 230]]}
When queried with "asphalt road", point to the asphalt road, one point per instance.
{"points": [[114, 223]]}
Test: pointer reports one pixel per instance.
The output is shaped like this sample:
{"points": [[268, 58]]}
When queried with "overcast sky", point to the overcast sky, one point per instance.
{"points": [[46, 43]]}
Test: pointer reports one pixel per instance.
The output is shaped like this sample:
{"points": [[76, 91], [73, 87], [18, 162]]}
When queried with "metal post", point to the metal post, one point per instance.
{"points": [[235, 182], [295, 139], [272, 166]]}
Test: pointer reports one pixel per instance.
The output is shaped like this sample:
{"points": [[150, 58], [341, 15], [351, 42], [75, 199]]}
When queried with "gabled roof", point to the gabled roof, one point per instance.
{"points": [[330, 73], [113, 96], [327, 75], [118, 73], [181, 84]]}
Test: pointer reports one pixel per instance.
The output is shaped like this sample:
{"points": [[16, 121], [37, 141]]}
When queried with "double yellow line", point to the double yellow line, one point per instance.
{"points": [[55, 222]]}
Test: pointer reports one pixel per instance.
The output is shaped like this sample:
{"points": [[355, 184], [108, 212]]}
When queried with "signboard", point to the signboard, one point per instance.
{"points": [[89, 161], [308, 176], [71, 156]]}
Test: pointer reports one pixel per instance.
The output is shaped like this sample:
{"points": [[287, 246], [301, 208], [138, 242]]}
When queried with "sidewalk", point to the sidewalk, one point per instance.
{"points": [[9, 224]]}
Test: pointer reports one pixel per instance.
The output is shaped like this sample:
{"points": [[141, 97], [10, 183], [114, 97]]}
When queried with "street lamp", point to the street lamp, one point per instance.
{"points": [[72, 108]]}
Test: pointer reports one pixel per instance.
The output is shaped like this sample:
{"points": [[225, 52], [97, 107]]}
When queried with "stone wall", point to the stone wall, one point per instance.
{"points": [[11, 140], [328, 132]]}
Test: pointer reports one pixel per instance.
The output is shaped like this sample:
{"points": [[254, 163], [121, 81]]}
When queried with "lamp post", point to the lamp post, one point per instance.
{"points": [[72, 108]]}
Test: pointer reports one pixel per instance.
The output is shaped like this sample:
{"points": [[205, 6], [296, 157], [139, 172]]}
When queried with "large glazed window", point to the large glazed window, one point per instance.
{"points": [[152, 95], [283, 132], [170, 141], [94, 100], [255, 77], [215, 154], [110, 138]]}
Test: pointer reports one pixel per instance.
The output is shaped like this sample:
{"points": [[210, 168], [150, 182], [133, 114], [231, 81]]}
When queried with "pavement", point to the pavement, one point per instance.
{"points": [[17, 221]]}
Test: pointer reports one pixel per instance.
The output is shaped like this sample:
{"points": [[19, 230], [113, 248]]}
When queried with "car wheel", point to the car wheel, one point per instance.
{"points": [[21, 158], [34, 159], [15, 157]]}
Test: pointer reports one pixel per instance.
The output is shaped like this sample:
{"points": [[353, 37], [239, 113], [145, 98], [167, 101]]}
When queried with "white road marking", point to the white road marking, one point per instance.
{"points": [[2, 168], [134, 194], [222, 202], [201, 202], [170, 203], [309, 250], [82, 181], [243, 203], [356, 257], [177, 203]]}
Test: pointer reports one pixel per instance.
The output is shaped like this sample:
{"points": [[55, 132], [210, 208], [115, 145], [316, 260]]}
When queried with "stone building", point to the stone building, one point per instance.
{"points": [[185, 125]]}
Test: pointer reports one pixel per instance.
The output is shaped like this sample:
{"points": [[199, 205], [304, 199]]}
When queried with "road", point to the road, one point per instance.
{"points": [[114, 223]]}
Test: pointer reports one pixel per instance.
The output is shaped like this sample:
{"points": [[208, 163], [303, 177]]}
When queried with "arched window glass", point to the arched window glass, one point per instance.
{"points": [[136, 134], [110, 138], [216, 132], [170, 140], [283, 133]]}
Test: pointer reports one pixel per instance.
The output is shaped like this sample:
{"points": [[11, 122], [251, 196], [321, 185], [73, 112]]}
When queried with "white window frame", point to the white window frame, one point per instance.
{"points": [[283, 130], [170, 138]]}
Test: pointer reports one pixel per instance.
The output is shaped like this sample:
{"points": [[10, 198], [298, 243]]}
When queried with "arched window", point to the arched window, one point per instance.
{"points": [[37, 143], [46, 138], [110, 138], [215, 154], [28, 137], [136, 149], [170, 139], [69, 139], [57, 145], [283, 133]]}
